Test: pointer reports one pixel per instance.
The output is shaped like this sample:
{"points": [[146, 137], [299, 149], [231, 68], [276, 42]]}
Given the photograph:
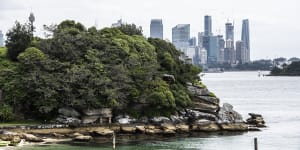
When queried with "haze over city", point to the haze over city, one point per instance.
{"points": [[273, 32]]}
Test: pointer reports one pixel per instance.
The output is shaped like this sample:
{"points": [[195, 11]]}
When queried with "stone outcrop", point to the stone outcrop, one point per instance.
{"points": [[228, 115], [31, 138], [83, 138], [256, 120]]}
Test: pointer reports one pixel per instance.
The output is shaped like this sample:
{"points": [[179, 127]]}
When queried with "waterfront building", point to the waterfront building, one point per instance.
{"points": [[1, 39], [241, 52], [156, 28], [203, 56], [181, 36], [246, 38]]}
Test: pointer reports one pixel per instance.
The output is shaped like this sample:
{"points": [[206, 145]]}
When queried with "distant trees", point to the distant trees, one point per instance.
{"points": [[287, 70], [18, 39]]}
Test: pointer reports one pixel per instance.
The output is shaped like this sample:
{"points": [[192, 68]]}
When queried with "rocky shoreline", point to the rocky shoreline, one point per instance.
{"points": [[205, 116]]}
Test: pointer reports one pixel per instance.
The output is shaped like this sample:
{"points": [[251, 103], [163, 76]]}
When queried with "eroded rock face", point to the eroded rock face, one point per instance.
{"points": [[69, 112], [234, 126], [83, 138], [196, 115], [197, 91], [68, 120], [256, 120], [228, 115], [125, 119], [159, 120], [89, 119], [31, 138]]}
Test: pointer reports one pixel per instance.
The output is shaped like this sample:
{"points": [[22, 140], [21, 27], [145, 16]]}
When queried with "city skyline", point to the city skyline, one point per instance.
{"points": [[282, 27]]}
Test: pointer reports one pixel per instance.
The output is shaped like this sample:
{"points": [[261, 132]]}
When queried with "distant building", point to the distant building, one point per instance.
{"points": [[221, 46], [156, 28], [241, 52], [117, 24], [203, 56], [207, 25], [196, 57], [193, 41], [246, 38], [1, 39], [212, 52], [229, 31], [181, 36], [200, 39]]}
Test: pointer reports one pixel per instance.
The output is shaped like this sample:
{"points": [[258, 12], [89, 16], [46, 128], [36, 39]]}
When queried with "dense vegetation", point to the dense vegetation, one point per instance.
{"points": [[89, 68], [287, 70]]}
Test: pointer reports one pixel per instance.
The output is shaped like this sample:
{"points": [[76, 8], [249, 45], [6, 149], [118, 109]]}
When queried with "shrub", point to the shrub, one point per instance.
{"points": [[6, 113]]}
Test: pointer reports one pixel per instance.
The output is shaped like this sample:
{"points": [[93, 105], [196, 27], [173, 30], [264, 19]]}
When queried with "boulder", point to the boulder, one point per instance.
{"points": [[31, 138], [234, 126], [89, 119], [83, 138], [205, 107], [69, 112], [197, 91], [207, 99], [196, 115], [159, 120], [209, 127], [140, 129], [103, 112], [256, 120], [177, 119], [102, 132], [182, 128], [128, 129], [228, 115], [153, 131], [167, 126]]}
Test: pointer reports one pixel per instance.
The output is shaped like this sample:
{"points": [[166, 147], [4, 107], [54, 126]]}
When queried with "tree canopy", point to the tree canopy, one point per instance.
{"points": [[89, 68]]}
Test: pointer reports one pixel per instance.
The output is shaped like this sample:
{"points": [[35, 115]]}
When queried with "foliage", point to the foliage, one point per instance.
{"points": [[6, 113], [287, 70], [89, 68], [18, 39]]}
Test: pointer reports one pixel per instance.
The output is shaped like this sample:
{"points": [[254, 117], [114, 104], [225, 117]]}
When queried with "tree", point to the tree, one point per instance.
{"points": [[18, 39], [131, 29]]}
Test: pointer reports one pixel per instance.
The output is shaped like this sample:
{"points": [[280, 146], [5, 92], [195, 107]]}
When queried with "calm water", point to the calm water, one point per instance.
{"points": [[277, 98]]}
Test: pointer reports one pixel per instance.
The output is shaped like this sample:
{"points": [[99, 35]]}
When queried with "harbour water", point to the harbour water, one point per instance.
{"points": [[276, 98]]}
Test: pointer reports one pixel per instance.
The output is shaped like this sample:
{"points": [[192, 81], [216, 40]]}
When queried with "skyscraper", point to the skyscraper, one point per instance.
{"points": [[229, 31], [181, 36], [1, 39], [207, 25], [156, 28], [246, 38], [241, 52], [200, 39]]}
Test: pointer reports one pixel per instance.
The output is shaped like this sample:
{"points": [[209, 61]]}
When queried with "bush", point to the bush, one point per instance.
{"points": [[6, 113]]}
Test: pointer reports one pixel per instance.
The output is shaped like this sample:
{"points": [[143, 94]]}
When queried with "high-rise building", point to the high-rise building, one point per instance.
{"points": [[203, 56], [1, 39], [229, 31], [241, 52], [246, 38], [156, 28], [207, 25], [212, 52], [181, 36], [221, 46], [200, 39], [193, 41]]}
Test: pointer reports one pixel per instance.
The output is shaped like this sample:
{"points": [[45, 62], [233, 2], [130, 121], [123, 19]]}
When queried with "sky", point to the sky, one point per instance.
{"points": [[274, 24]]}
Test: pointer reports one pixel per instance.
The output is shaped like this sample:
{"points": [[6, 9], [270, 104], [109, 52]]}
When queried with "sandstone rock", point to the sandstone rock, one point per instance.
{"points": [[83, 138], [69, 112], [103, 112], [153, 131], [196, 115], [76, 134], [57, 135], [89, 119], [150, 127], [140, 129], [208, 127], [228, 115], [166, 126], [128, 129], [182, 128], [102, 132], [197, 91], [205, 107], [234, 126], [176, 119], [256, 120], [207, 99], [31, 138], [168, 132]]}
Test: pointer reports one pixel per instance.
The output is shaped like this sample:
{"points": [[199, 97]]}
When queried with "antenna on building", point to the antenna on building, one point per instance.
{"points": [[96, 23]]}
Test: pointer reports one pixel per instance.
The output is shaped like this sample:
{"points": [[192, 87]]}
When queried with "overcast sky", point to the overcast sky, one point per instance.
{"points": [[274, 24]]}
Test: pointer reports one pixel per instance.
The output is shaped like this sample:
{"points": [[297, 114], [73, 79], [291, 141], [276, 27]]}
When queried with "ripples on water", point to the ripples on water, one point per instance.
{"points": [[276, 98]]}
